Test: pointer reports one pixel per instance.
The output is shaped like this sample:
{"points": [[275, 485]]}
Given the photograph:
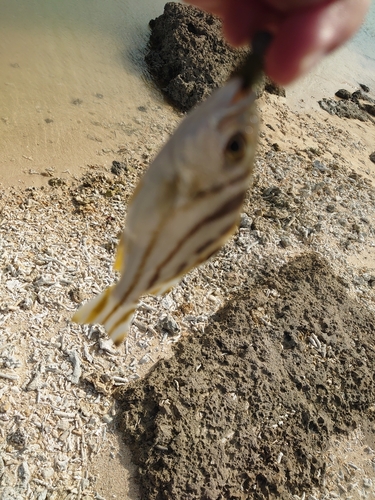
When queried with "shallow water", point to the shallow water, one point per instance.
{"points": [[70, 73], [74, 87]]}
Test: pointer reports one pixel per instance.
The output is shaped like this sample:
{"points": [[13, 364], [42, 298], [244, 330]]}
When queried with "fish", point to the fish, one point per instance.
{"points": [[188, 202]]}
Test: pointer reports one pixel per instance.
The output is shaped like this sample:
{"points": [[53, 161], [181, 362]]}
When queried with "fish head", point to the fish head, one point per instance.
{"points": [[236, 130], [217, 141]]}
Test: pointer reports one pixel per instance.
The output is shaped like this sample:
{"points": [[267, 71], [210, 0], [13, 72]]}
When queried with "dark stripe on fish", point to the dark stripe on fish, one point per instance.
{"points": [[94, 313], [181, 268], [124, 318], [136, 276], [227, 208], [220, 187], [208, 243]]}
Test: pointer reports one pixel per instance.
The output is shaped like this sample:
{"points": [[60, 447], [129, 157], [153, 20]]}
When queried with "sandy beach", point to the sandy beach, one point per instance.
{"points": [[277, 328]]}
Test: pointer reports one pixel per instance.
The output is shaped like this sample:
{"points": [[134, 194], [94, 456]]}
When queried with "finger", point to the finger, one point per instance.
{"points": [[287, 5], [306, 35], [243, 18]]}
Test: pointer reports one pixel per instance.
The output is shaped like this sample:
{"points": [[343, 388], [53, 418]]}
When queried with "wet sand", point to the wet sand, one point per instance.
{"points": [[72, 86]]}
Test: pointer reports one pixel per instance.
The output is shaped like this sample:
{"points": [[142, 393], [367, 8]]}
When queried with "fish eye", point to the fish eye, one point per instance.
{"points": [[236, 147]]}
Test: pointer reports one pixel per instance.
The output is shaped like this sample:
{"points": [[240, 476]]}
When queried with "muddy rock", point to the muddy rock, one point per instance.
{"points": [[245, 409], [188, 56]]}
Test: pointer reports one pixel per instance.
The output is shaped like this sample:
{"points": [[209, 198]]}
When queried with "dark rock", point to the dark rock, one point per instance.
{"points": [[275, 146], [56, 182], [17, 438], [271, 192], [311, 152], [273, 88], [343, 109], [118, 167], [284, 242], [364, 87], [343, 94], [354, 175], [168, 324], [319, 166], [245, 221], [369, 108], [328, 105], [188, 56], [357, 95], [76, 295], [372, 157]]}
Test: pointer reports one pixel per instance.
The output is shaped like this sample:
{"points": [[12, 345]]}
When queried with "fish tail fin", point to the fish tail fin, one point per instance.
{"points": [[105, 309]]}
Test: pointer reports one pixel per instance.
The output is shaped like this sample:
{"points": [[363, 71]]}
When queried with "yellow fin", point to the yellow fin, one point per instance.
{"points": [[107, 311], [93, 309], [120, 255]]}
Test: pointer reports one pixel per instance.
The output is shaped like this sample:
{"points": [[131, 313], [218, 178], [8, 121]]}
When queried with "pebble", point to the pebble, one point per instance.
{"points": [[48, 472], [119, 167], [367, 483], [107, 419], [169, 324], [285, 242], [245, 221], [320, 166]]}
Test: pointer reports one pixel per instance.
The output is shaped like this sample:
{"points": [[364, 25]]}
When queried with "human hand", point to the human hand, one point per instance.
{"points": [[304, 30]]}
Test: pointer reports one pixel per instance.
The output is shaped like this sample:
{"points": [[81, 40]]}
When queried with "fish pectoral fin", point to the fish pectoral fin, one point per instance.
{"points": [[106, 310]]}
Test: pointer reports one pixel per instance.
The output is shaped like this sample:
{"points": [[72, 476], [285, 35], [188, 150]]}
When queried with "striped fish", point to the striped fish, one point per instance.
{"points": [[186, 205]]}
